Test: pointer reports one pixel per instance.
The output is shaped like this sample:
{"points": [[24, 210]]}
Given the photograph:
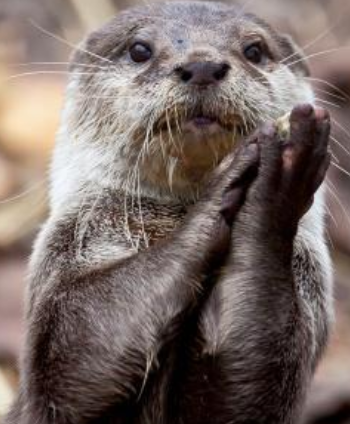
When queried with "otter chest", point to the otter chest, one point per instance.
{"points": [[116, 225]]}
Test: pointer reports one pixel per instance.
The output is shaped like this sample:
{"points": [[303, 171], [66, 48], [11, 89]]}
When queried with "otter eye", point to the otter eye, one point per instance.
{"points": [[255, 53], [140, 52]]}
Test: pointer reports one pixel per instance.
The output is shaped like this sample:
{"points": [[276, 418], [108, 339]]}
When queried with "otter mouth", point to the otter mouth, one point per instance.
{"points": [[205, 123], [200, 122]]}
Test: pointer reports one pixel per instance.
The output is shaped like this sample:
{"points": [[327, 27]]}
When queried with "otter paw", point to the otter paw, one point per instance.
{"points": [[305, 154], [291, 169], [240, 174]]}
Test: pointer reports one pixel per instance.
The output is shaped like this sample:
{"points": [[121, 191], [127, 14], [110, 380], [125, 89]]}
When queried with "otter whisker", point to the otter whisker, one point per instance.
{"points": [[149, 362], [340, 145], [330, 85], [170, 132], [334, 193], [318, 38], [328, 210], [341, 127], [46, 72], [327, 103], [318, 54], [334, 156], [69, 44], [329, 94], [172, 162], [134, 184], [179, 129], [24, 193], [64, 64], [132, 187], [162, 147], [340, 168], [139, 198]]}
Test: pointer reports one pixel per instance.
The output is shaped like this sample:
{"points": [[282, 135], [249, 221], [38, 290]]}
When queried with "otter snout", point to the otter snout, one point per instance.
{"points": [[202, 73]]}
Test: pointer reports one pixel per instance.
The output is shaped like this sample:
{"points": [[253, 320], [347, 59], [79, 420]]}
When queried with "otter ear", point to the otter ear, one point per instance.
{"points": [[294, 56]]}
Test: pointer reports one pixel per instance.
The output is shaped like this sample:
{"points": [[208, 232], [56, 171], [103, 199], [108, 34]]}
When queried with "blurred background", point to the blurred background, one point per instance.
{"points": [[36, 40]]}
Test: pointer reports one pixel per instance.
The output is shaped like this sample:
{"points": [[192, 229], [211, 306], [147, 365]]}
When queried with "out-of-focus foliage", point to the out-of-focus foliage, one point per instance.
{"points": [[31, 95]]}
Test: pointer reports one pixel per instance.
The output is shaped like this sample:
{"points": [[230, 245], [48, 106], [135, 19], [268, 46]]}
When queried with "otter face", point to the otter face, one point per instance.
{"points": [[174, 87]]}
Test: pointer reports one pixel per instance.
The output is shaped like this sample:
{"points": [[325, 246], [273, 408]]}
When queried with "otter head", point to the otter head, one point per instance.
{"points": [[164, 92]]}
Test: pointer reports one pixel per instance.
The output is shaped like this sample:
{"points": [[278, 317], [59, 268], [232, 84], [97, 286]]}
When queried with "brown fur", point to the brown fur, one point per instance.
{"points": [[178, 279]]}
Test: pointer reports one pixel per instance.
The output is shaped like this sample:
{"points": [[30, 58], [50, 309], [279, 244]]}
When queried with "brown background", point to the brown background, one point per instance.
{"points": [[31, 96]]}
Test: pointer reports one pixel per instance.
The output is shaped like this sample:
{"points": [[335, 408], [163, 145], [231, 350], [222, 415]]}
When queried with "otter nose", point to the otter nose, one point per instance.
{"points": [[202, 73]]}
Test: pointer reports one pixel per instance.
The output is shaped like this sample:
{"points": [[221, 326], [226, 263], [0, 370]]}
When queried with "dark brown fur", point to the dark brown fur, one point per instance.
{"points": [[219, 315]]}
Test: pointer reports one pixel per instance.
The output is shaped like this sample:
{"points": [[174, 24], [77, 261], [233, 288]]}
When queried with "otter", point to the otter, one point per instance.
{"points": [[182, 275]]}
